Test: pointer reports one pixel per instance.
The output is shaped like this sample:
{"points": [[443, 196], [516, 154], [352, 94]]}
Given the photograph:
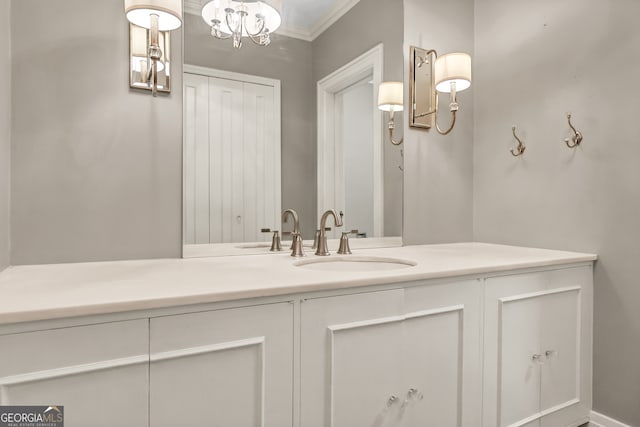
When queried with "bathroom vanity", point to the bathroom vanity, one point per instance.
{"points": [[463, 334]]}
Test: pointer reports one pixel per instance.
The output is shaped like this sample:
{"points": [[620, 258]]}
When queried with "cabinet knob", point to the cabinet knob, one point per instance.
{"points": [[415, 394], [393, 399], [551, 354], [538, 358], [412, 395]]}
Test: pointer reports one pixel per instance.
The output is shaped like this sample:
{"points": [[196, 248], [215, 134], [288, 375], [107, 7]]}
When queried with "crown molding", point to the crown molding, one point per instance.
{"points": [[192, 7], [294, 32], [331, 17]]}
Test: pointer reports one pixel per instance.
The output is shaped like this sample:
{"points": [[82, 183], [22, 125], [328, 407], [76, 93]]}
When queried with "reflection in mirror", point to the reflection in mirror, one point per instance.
{"points": [[259, 136]]}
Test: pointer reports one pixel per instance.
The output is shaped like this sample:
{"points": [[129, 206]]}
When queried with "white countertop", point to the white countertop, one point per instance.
{"points": [[41, 292]]}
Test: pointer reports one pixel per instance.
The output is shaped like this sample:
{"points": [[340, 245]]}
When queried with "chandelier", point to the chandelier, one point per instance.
{"points": [[236, 19]]}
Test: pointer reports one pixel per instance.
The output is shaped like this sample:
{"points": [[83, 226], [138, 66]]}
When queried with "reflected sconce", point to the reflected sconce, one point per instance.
{"points": [[149, 42], [390, 98], [431, 74]]}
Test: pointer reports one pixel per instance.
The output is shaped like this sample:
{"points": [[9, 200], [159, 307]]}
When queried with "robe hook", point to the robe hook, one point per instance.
{"points": [[519, 150], [577, 136]]}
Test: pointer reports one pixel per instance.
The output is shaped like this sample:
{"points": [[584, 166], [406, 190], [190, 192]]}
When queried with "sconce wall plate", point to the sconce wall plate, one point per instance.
{"points": [[422, 97], [140, 62]]}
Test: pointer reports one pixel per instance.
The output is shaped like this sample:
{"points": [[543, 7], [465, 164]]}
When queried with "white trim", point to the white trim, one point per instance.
{"points": [[192, 7], [366, 323], [541, 414], [196, 351], [600, 420], [331, 17], [368, 63], [294, 33], [540, 294], [230, 75], [442, 310], [338, 10], [72, 370]]}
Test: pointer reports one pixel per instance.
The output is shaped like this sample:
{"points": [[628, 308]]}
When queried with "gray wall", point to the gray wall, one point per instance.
{"points": [[438, 190], [374, 22], [96, 167], [288, 60], [534, 62], [5, 128]]}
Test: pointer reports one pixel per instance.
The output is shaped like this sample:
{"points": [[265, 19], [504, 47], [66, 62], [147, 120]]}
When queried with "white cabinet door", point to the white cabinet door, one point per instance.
{"points": [[351, 360], [441, 355], [537, 348], [93, 371], [407, 357], [519, 376], [227, 368]]}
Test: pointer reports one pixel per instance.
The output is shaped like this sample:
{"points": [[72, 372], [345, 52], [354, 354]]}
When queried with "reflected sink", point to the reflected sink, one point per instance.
{"points": [[254, 246], [355, 263]]}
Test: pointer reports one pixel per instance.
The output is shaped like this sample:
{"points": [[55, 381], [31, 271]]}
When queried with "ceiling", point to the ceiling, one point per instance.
{"points": [[302, 19]]}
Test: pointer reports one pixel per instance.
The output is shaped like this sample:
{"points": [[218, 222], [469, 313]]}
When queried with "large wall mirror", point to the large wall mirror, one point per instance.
{"points": [[293, 125]]}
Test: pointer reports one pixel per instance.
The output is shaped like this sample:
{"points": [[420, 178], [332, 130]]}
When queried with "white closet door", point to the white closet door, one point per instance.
{"points": [[196, 159], [232, 160], [226, 128], [261, 162]]}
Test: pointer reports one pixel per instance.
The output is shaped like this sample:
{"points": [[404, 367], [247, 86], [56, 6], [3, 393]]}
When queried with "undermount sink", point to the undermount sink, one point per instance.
{"points": [[354, 263]]}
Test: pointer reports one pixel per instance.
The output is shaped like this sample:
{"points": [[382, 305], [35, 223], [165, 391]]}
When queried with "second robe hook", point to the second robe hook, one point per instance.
{"points": [[519, 150]]}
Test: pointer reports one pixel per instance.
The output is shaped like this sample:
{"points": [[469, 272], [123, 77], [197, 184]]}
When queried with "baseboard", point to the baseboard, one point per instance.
{"points": [[599, 420]]}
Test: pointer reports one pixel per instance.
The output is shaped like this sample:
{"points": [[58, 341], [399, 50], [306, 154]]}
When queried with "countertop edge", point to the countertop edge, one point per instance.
{"points": [[75, 311]]}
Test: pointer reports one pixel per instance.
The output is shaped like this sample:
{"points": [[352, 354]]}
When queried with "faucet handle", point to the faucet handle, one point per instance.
{"points": [[344, 248], [276, 245]]}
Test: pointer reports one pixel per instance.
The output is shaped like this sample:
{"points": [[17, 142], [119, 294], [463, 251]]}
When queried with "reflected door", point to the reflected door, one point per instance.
{"points": [[354, 157], [232, 160]]}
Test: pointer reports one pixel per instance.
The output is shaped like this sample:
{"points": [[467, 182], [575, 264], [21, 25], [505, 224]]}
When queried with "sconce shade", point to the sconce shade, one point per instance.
{"points": [[169, 13], [390, 96], [453, 67], [215, 10]]}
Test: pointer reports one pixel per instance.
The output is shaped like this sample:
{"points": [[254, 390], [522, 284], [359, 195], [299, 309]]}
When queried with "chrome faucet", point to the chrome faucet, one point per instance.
{"points": [[296, 237], [322, 249]]}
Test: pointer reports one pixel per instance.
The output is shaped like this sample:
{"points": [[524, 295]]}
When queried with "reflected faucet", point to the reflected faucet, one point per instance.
{"points": [[296, 237], [322, 249]]}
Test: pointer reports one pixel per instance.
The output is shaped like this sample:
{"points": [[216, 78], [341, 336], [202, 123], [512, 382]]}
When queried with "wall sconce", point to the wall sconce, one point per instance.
{"points": [[429, 75], [390, 98], [149, 42]]}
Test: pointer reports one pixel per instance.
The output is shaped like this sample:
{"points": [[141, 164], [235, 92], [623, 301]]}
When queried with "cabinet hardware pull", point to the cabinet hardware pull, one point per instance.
{"points": [[551, 353], [412, 395], [393, 399], [538, 358]]}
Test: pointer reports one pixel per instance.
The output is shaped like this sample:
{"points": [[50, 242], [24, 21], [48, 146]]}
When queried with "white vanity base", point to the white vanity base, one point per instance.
{"points": [[257, 341]]}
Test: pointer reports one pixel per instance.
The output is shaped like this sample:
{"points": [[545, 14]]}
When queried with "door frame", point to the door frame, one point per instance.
{"points": [[330, 186]]}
